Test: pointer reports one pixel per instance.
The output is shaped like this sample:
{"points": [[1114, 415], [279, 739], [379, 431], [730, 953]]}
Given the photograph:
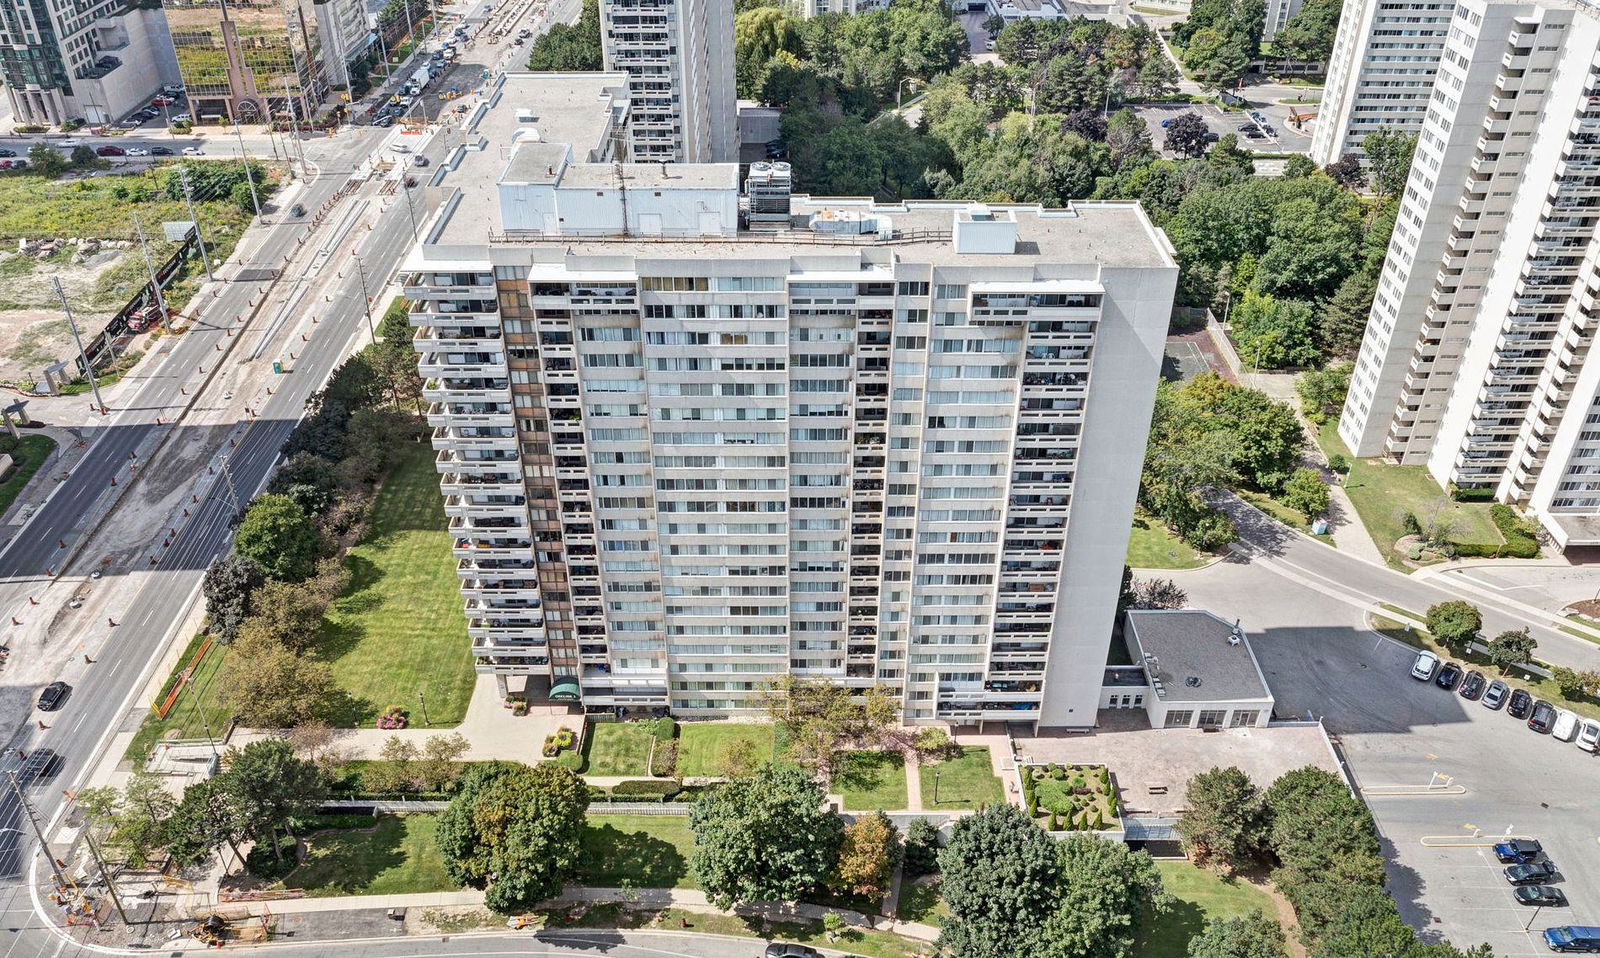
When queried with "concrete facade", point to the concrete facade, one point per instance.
{"points": [[96, 62], [678, 55], [879, 445]]}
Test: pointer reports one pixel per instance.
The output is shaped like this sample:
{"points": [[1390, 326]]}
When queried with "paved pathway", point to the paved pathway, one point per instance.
{"points": [[913, 783]]}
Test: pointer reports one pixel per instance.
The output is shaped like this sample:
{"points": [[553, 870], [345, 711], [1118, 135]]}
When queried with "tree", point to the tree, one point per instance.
{"points": [[1389, 159], [1454, 622], [395, 770], [823, 716], [290, 613], [46, 160], [1511, 647], [307, 479], [759, 34], [569, 47], [1001, 881], [1221, 825], [515, 830], [1273, 333], [1347, 171], [1104, 892], [1157, 594], [228, 586], [1309, 34], [84, 157], [1186, 135], [269, 686], [277, 535], [203, 821], [1322, 391], [1128, 139], [768, 836], [317, 742], [1215, 60], [271, 789], [1252, 936], [1306, 493], [1157, 78], [921, 848], [133, 819], [868, 854], [440, 755]]}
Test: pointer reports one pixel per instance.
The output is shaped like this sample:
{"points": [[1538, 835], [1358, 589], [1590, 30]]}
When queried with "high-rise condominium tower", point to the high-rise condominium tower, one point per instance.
{"points": [[1380, 73], [678, 55], [93, 60], [1475, 356], [878, 445]]}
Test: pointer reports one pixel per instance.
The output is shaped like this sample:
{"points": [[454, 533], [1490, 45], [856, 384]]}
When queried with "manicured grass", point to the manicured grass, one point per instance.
{"points": [[399, 630], [1382, 493], [396, 857], [618, 748], [965, 781], [1151, 545], [648, 851], [871, 780], [1200, 895], [921, 903], [199, 704], [27, 455], [873, 944], [702, 746], [1293, 518]]}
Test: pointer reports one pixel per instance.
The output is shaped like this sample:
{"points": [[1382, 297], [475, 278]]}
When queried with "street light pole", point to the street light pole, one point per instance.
{"points": [[366, 301], [155, 281], [244, 158], [188, 197], [227, 475], [105, 872], [88, 367], [27, 807]]}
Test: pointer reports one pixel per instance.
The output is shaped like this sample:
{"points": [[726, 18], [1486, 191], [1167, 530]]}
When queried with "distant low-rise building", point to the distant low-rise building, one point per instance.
{"points": [[1013, 10]]}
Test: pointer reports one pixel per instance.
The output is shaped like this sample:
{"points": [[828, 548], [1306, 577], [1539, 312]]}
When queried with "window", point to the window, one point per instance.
{"points": [[1244, 718], [1212, 718], [1179, 718]]}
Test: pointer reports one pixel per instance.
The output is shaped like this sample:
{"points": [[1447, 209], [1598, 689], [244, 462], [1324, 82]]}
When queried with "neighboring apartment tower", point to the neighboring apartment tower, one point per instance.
{"points": [[96, 60], [683, 457], [678, 55], [249, 60], [1279, 12], [1474, 361], [1380, 73]]}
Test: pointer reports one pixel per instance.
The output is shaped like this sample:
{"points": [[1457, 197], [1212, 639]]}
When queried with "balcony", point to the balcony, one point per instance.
{"points": [[463, 364], [467, 388], [469, 414]]}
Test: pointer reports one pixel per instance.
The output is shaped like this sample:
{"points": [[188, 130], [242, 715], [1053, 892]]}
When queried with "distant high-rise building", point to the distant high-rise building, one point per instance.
{"points": [[1279, 12], [1380, 74], [97, 60], [1476, 356], [678, 55], [892, 446], [249, 59]]}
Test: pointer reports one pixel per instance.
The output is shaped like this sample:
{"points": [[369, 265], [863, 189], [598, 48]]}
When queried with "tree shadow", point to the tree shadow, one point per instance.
{"points": [[344, 710], [865, 771], [1167, 935], [610, 854], [347, 862], [360, 596]]}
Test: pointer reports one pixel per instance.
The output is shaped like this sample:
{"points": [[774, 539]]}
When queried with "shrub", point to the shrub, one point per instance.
{"points": [[1478, 494], [662, 729], [645, 789], [922, 848], [1339, 463], [393, 717], [571, 759], [665, 761], [1055, 824]]}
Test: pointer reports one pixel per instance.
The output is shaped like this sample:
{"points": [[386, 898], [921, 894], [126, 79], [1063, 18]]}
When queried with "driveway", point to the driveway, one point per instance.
{"points": [[1394, 731]]}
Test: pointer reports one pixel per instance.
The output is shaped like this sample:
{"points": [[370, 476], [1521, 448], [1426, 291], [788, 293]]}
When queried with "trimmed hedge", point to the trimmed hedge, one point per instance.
{"points": [[1478, 494], [647, 789], [1518, 545]]}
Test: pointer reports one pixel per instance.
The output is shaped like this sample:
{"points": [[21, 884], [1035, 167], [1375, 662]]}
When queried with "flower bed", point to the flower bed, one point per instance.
{"points": [[1070, 797]]}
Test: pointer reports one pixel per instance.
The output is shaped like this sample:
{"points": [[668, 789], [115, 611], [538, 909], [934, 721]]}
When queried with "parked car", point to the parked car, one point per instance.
{"points": [[421, 160], [384, 120], [1565, 728], [1519, 704], [5, 164], [1589, 736], [1472, 685], [161, 101], [1531, 873], [180, 118], [160, 151], [1546, 895], [138, 151], [53, 695], [8, 152], [193, 151], [1572, 938], [1167, 122], [1518, 850], [1495, 695], [297, 211], [1448, 676], [110, 151], [1542, 718], [1269, 130], [1422, 669], [69, 142], [780, 949]]}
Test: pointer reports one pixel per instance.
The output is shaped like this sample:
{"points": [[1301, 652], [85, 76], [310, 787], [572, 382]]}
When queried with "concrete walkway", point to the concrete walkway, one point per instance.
{"points": [[684, 898], [913, 782]]}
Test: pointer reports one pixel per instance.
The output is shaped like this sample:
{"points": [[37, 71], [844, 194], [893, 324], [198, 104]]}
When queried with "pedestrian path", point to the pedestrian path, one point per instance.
{"points": [[913, 783]]}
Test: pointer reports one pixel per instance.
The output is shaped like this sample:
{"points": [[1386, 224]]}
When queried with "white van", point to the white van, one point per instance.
{"points": [[1565, 727]]}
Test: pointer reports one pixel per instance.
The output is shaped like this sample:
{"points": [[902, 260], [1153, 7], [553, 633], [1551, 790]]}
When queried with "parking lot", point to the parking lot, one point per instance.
{"points": [[1396, 733]]}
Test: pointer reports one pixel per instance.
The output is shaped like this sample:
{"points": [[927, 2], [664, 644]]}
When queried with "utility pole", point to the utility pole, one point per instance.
{"points": [[409, 209], [366, 301], [294, 125], [155, 281], [227, 475], [244, 158], [105, 872], [188, 197], [27, 808], [88, 367]]}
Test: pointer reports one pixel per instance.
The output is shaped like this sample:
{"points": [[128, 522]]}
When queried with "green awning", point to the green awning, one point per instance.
{"points": [[565, 691]]}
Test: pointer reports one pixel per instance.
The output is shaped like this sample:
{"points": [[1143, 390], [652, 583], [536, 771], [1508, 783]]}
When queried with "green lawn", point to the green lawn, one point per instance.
{"points": [[1152, 545], [1200, 895], [618, 748], [198, 705], [702, 745], [966, 781], [396, 857], [650, 851], [399, 630], [1293, 518], [921, 903], [1382, 492], [27, 455], [871, 780]]}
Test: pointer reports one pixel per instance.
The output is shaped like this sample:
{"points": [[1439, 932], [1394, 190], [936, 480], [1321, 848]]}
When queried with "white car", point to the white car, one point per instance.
{"points": [[70, 141], [1423, 668], [180, 118], [193, 151], [138, 151], [1565, 727], [1589, 735]]}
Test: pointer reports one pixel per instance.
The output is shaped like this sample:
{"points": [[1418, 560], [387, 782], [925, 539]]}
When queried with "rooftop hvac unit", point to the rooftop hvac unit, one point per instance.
{"points": [[768, 188]]}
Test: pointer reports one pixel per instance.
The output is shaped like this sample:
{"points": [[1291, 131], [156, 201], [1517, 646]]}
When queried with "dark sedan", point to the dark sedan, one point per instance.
{"points": [[1542, 717], [1519, 704], [1540, 895], [1448, 676], [1472, 686], [1533, 873]]}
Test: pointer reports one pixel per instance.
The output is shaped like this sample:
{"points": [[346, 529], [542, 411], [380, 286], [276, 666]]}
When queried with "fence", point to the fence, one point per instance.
{"points": [[118, 330], [165, 705]]}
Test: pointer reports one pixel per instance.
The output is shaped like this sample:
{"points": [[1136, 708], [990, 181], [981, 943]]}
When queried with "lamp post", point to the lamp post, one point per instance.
{"points": [[936, 773], [366, 301]]}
